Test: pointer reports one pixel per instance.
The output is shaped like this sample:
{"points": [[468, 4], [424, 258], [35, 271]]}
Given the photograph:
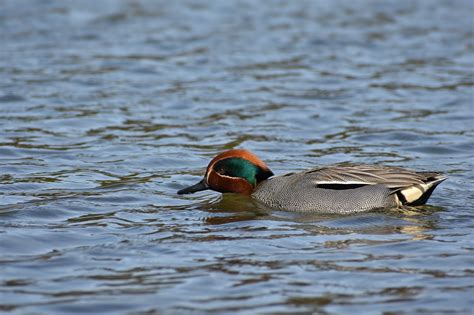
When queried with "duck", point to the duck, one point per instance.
{"points": [[327, 189]]}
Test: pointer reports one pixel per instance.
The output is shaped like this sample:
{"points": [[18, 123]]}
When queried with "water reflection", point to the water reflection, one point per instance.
{"points": [[415, 222]]}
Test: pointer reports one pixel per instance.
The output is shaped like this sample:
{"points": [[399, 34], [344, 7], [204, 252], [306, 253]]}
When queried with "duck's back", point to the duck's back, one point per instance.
{"points": [[347, 189]]}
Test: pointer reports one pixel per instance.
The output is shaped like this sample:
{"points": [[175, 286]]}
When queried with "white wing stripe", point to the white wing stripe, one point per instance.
{"points": [[342, 183]]}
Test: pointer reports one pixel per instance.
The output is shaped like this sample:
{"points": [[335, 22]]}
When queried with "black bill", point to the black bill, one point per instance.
{"points": [[202, 185]]}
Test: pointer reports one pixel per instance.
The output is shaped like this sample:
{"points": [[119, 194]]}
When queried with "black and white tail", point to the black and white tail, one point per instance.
{"points": [[418, 194]]}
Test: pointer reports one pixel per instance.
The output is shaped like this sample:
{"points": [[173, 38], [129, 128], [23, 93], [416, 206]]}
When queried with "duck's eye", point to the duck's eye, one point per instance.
{"points": [[223, 171]]}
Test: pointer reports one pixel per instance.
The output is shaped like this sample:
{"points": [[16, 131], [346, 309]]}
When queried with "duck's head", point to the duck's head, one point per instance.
{"points": [[237, 171]]}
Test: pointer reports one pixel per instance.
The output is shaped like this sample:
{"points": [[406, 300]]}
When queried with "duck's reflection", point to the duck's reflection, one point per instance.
{"points": [[419, 221], [230, 208], [414, 221]]}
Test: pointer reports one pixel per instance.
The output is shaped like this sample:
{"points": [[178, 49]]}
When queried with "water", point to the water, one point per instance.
{"points": [[107, 108]]}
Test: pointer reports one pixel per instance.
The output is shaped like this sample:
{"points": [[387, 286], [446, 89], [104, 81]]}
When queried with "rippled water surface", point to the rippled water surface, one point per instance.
{"points": [[107, 108]]}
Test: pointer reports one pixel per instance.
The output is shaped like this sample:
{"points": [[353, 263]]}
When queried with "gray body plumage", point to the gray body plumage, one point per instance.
{"points": [[347, 189]]}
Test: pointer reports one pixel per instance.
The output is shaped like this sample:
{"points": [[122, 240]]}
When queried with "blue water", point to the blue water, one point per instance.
{"points": [[107, 108]]}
